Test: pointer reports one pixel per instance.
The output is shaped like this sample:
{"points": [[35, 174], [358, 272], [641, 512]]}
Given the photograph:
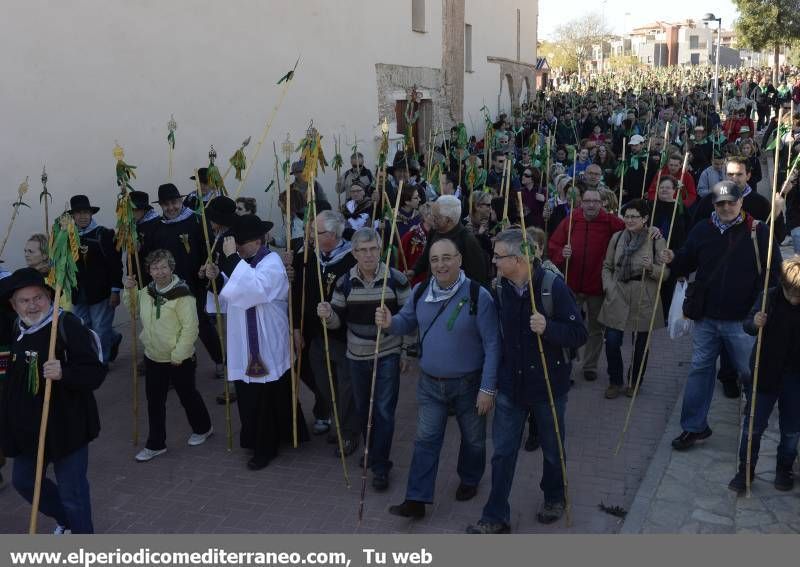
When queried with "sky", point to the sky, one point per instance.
{"points": [[553, 13]]}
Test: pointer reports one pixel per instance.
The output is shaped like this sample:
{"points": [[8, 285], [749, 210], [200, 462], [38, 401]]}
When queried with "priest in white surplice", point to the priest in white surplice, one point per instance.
{"points": [[255, 297]]}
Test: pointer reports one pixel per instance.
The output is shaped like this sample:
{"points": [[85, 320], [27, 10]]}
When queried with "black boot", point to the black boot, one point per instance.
{"points": [[784, 477], [739, 482]]}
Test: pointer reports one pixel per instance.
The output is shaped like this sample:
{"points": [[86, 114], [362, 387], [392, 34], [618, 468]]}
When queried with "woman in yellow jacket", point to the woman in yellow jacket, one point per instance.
{"points": [[168, 314]]}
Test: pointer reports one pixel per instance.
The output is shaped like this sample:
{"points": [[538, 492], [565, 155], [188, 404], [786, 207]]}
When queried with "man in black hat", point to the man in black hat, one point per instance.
{"points": [[729, 253], [255, 298], [221, 214], [405, 170], [208, 192], [76, 372], [99, 276], [301, 184], [179, 231], [146, 218]]}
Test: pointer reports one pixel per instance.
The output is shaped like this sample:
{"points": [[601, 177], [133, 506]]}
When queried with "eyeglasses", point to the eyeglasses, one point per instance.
{"points": [[632, 217], [497, 257]]}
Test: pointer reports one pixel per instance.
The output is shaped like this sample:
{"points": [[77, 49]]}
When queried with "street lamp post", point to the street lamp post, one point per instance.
{"points": [[709, 17]]}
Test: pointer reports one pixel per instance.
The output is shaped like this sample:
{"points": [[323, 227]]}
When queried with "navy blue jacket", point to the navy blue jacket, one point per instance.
{"points": [[736, 283], [521, 376]]}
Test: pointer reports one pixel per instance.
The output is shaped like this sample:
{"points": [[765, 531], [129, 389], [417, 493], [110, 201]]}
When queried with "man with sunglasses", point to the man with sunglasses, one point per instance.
{"points": [[722, 250]]}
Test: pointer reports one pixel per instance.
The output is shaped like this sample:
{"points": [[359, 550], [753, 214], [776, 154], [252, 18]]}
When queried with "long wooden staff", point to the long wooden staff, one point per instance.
{"points": [[220, 333], [505, 188], [292, 373], [757, 358], [23, 188], [325, 335], [661, 166], [45, 196], [646, 165], [622, 177], [656, 306], [571, 214], [386, 271], [791, 139], [550, 399], [64, 255], [286, 80], [134, 350]]}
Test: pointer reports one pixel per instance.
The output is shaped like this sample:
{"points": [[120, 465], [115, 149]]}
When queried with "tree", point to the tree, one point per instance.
{"points": [[578, 36], [768, 23], [557, 56]]}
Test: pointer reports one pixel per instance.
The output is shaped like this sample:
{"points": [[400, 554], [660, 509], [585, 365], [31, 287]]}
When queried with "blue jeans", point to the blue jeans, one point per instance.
{"points": [[788, 420], [796, 239], [614, 338], [387, 388], [433, 398], [507, 428], [708, 337], [67, 500], [99, 317]]}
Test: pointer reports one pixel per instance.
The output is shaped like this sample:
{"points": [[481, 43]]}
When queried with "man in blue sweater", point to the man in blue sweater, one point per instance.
{"points": [[459, 350], [729, 254], [521, 386]]}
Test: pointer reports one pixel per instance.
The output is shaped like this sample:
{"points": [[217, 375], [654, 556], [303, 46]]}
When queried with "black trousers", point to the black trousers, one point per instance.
{"points": [[265, 411], [207, 329], [157, 380]]}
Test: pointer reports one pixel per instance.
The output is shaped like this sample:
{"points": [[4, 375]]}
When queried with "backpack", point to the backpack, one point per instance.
{"points": [[548, 309]]}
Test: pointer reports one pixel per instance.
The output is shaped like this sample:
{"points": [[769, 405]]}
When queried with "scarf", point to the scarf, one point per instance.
{"points": [[436, 294], [89, 228], [175, 289], [721, 226], [747, 191], [632, 242], [255, 365], [25, 330], [148, 216], [334, 255], [182, 216]]}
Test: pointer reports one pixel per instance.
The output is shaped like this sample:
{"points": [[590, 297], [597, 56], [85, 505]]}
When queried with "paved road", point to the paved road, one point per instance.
{"points": [[208, 489]]}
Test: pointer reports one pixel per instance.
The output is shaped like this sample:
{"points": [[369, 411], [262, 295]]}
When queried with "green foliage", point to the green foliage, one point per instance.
{"points": [[767, 23]]}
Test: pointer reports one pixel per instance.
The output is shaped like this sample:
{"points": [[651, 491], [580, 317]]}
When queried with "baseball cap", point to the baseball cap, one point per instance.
{"points": [[726, 191]]}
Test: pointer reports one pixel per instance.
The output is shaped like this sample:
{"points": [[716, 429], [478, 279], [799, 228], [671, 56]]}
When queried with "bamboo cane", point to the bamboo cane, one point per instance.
{"points": [[622, 178], [220, 334], [134, 352], [546, 372], [386, 271], [263, 137], [756, 359], [791, 139], [325, 338], [505, 188], [401, 252], [48, 388], [571, 213], [13, 218], [380, 186], [45, 195], [292, 374], [656, 305], [646, 164], [306, 238]]}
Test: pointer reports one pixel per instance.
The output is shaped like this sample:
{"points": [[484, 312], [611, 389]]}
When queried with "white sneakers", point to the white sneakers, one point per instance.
{"points": [[147, 454], [200, 438], [195, 439]]}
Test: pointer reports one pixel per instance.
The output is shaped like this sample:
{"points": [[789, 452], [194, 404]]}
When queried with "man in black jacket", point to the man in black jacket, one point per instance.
{"points": [[99, 276], [729, 254], [75, 373]]}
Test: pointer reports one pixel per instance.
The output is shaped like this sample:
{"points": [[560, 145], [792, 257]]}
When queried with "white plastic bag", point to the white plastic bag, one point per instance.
{"points": [[678, 324]]}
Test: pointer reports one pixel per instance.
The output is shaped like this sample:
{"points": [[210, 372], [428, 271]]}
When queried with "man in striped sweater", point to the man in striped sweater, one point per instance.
{"points": [[356, 297]]}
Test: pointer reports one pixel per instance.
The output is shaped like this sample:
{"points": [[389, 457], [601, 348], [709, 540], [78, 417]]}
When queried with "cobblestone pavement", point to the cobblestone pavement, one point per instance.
{"points": [[687, 492], [206, 489]]}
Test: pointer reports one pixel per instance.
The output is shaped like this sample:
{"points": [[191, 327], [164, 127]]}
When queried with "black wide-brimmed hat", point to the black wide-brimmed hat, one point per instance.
{"points": [[249, 227], [81, 203], [399, 161], [24, 277], [222, 210], [167, 192], [140, 200]]}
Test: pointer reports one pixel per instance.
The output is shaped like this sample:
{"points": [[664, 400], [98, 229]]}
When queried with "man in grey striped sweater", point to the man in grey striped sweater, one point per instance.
{"points": [[355, 298]]}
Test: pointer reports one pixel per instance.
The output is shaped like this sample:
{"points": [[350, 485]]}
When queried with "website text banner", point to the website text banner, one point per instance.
{"points": [[393, 551]]}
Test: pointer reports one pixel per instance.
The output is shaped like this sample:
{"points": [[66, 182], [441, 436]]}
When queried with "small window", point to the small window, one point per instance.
{"points": [[694, 42], [695, 58], [468, 48], [418, 15]]}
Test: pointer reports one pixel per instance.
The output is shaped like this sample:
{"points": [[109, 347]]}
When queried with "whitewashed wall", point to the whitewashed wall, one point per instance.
{"points": [[79, 75]]}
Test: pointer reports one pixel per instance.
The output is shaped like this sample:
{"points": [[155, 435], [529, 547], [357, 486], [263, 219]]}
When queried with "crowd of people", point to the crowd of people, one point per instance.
{"points": [[626, 188]]}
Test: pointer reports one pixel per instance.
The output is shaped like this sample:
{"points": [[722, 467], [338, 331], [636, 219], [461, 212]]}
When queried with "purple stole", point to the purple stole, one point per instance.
{"points": [[255, 365]]}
